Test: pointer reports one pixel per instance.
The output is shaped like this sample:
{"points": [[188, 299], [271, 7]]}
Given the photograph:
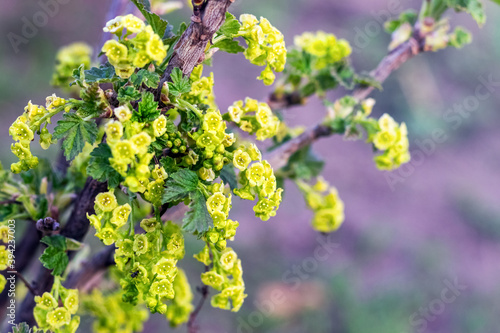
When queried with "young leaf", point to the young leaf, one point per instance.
{"points": [[180, 84], [179, 185], [105, 73], [99, 167], [229, 46], [54, 257], [127, 94], [473, 7], [198, 218], [76, 132], [158, 24], [148, 109], [231, 26], [150, 79]]}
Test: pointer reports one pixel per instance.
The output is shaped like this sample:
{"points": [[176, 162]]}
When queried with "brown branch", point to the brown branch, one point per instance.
{"points": [[278, 158], [190, 49], [26, 283]]}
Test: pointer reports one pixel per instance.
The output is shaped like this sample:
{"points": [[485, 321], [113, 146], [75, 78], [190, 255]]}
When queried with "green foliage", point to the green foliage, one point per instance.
{"points": [[229, 46], [148, 109], [198, 219], [76, 132], [99, 167], [54, 257], [180, 84], [127, 94], [158, 24], [473, 7], [180, 185], [303, 164], [150, 79]]}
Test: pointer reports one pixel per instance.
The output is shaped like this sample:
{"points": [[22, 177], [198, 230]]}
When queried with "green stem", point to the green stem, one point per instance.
{"points": [[189, 106]]}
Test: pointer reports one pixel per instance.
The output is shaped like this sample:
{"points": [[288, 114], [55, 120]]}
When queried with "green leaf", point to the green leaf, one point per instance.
{"points": [[92, 103], [56, 241], [229, 46], [54, 257], [180, 84], [197, 219], [127, 94], [150, 79], [304, 164], [231, 26], [105, 73], [228, 176], [158, 24], [100, 168], [76, 132], [24, 328], [179, 185], [169, 164], [148, 109], [460, 37], [473, 7]]}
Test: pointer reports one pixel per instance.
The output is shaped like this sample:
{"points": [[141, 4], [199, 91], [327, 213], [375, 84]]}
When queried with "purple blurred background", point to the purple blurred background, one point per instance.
{"points": [[419, 249]]}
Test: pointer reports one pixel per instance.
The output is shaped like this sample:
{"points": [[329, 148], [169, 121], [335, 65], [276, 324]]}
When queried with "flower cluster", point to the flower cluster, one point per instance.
{"points": [[24, 128], [254, 117], [325, 48], [68, 58], [393, 140], [50, 315], [258, 180], [218, 205], [212, 140], [148, 265], [225, 276], [112, 314], [266, 46], [130, 143], [180, 308], [127, 53], [328, 208], [202, 88], [109, 217]]}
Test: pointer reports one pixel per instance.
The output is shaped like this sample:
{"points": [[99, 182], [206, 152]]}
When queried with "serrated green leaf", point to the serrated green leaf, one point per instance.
{"points": [[473, 7], [23, 328], [230, 27], [150, 79], [127, 94], [229, 46], [158, 24], [54, 257], [92, 103], [168, 163], [197, 219], [179, 185], [148, 109], [100, 168], [105, 73], [180, 84], [56, 241], [228, 176], [76, 132]]}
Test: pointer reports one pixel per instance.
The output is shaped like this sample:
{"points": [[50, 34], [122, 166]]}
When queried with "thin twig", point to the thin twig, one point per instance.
{"points": [[26, 283]]}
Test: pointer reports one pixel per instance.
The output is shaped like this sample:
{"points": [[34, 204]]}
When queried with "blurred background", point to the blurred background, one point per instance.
{"points": [[419, 250]]}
